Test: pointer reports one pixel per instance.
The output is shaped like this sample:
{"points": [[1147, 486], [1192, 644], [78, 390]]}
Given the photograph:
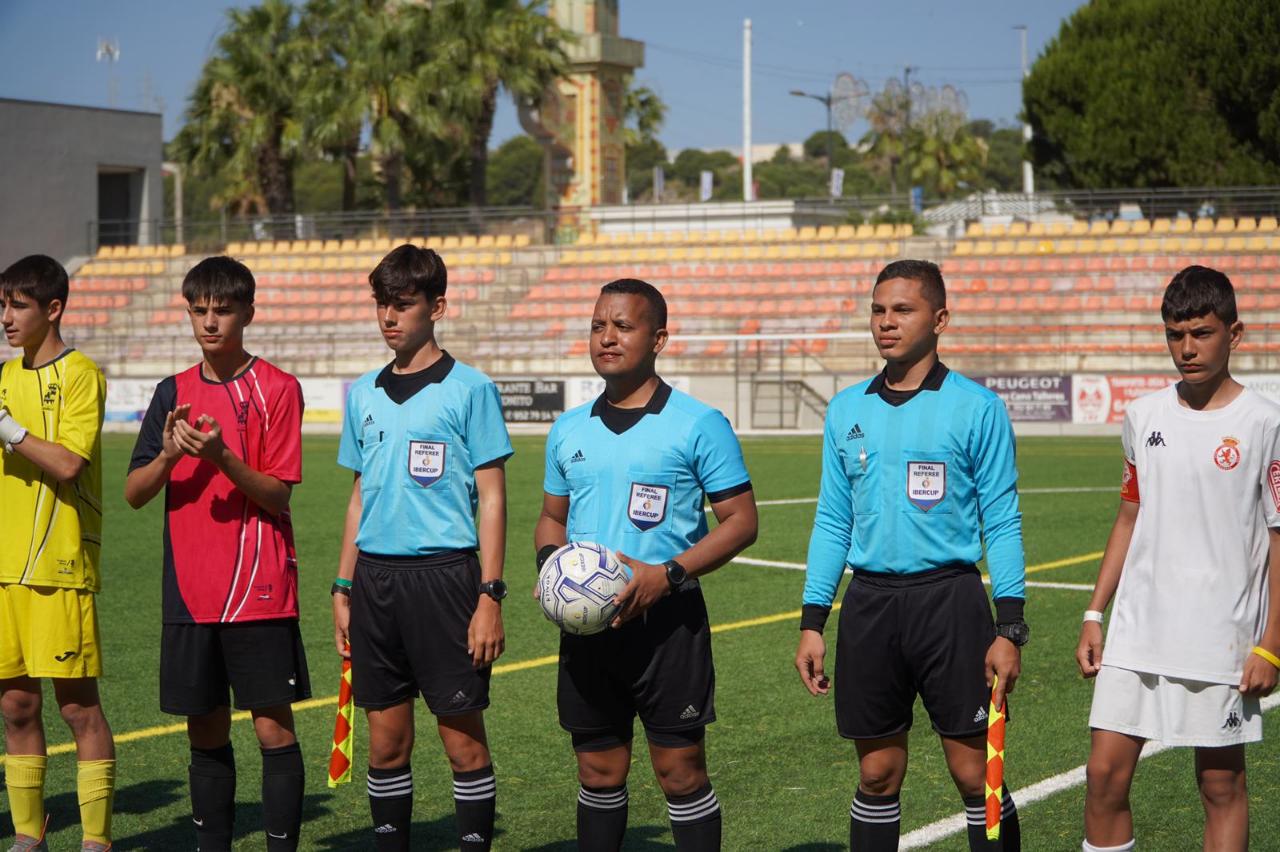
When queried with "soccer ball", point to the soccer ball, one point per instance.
{"points": [[577, 585]]}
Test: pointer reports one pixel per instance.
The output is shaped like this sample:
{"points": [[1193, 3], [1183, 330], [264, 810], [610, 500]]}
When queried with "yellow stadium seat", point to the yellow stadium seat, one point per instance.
{"points": [[484, 258], [975, 231], [103, 251], [347, 246], [1162, 226], [827, 232], [1215, 243], [1225, 225], [884, 231], [791, 252], [807, 234], [753, 252], [1078, 228], [315, 246], [698, 254], [1246, 225], [964, 248], [845, 232], [364, 245], [1004, 247], [1267, 224], [384, 244], [502, 258], [1064, 245], [313, 263], [1087, 246], [1107, 246], [1203, 225], [522, 240], [679, 254], [176, 250], [1235, 243], [116, 253], [865, 232], [734, 253], [789, 235], [331, 246], [984, 247], [1255, 243], [503, 241], [148, 251], [1121, 227], [997, 230], [1190, 244], [155, 267], [1171, 245], [1128, 245], [773, 252], [1140, 227], [828, 251], [585, 238], [1018, 229], [1100, 228], [870, 250], [1024, 247], [810, 253], [1036, 229], [450, 242], [1044, 247], [486, 241], [904, 230], [1183, 225], [1058, 229]]}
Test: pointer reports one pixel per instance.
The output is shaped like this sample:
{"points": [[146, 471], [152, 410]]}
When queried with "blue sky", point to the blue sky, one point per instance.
{"points": [[693, 55]]}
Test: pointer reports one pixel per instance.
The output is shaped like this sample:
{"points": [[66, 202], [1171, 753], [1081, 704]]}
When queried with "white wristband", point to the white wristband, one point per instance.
{"points": [[1093, 615]]}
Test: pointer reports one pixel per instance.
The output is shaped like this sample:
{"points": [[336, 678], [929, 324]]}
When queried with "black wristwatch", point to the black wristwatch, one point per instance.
{"points": [[676, 575], [496, 589], [1016, 632]]}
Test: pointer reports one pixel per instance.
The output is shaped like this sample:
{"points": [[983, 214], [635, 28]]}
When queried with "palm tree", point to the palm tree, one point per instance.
{"points": [[484, 45], [242, 126]]}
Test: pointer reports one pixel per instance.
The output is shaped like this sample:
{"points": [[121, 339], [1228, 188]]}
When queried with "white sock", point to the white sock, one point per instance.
{"points": [[1123, 847]]}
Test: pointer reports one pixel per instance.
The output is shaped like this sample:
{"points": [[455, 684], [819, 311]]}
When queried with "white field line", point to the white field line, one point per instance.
{"points": [[800, 501], [799, 566], [954, 824]]}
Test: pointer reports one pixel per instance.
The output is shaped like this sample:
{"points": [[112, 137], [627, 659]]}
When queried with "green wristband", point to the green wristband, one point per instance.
{"points": [[343, 582]]}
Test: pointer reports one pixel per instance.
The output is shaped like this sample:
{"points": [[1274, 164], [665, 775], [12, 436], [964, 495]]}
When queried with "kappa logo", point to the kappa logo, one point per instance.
{"points": [[981, 715], [855, 434], [577, 457], [1233, 722], [1155, 439], [690, 712], [64, 656]]}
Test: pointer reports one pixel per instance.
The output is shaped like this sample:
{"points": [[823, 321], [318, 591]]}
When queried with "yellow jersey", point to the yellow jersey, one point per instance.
{"points": [[52, 531]]}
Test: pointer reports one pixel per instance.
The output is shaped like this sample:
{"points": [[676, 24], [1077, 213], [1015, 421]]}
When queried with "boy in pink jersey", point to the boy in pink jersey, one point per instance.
{"points": [[1193, 563], [224, 441]]}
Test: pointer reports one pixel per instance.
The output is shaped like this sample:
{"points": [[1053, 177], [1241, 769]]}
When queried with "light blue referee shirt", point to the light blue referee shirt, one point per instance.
{"points": [[416, 441], [915, 486], [640, 489]]}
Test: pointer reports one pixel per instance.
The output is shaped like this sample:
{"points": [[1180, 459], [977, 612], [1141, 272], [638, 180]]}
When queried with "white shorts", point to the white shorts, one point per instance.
{"points": [[1173, 711]]}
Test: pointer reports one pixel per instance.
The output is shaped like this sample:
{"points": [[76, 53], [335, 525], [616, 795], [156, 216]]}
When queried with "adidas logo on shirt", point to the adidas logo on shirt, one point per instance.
{"points": [[981, 715], [690, 712], [855, 434], [368, 420], [577, 457]]}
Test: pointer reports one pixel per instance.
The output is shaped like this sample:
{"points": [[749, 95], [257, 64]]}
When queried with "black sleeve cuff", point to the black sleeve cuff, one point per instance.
{"points": [[1009, 610], [544, 553], [814, 617], [720, 496]]}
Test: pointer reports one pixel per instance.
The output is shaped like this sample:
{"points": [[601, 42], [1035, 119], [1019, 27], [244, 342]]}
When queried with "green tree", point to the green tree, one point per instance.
{"points": [[1159, 93], [515, 174], [645, 115], [1003, 169], [482, 45], [886, 140], [242, 127], [641, 160]]}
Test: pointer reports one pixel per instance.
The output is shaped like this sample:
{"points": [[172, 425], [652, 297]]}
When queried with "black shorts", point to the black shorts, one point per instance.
{"points": [[263, 661], [657, 666], [903, 635], [409, 622]]}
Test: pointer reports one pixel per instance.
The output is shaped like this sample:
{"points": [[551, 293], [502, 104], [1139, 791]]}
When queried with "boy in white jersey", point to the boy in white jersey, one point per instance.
{"points": [[1194, 641]]}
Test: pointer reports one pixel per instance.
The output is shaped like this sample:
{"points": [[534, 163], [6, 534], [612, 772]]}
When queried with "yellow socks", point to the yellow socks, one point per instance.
{"points": [[24, 777], [95, 786]]}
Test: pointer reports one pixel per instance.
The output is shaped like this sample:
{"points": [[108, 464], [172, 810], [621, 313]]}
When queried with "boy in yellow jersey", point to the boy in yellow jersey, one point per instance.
{"points": [[51, 409]]}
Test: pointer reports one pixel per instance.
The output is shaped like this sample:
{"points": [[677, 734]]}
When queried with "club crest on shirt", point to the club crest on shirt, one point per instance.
{"points": [[648, 505], [1227, 456], [1273, 481], [426, 461], [926, 483]]}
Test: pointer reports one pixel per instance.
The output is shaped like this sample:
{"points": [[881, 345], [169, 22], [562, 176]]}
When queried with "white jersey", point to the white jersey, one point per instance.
{"points": [[1192, 597]]}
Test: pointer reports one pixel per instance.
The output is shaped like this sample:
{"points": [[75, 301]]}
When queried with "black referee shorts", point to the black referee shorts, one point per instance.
{"points": [[409, 621], [657, 666], [903, 635]]}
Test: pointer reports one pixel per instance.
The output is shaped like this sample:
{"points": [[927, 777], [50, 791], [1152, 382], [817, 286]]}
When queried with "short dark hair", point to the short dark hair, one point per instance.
{"points": [[36, 276], [409, 269], [926, 273], [650, 293], [220, 280], [1198, 291]]}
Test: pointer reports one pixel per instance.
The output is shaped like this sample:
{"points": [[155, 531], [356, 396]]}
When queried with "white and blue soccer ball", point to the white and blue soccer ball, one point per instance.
{"points": [[577, 584]]}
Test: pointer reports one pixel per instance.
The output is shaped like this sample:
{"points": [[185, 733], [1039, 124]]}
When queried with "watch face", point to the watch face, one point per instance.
{"points": [[676, 573], [496, 589], [1017, 633]]}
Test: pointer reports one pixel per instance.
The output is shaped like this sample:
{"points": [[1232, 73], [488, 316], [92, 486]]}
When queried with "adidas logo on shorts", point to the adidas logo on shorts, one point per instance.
{"points": [[458, 697], [690, 712], [472, 838], [981, 715]]}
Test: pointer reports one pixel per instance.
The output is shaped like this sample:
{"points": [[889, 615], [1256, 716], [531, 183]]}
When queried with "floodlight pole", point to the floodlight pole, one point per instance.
{"points": [[1028, 177], [825, 100], [748, 187]]}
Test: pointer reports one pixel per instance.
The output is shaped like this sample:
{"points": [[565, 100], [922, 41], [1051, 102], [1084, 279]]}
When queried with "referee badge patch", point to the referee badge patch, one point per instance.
{"points": [[926, 483], [648, 505], [426, 461]]}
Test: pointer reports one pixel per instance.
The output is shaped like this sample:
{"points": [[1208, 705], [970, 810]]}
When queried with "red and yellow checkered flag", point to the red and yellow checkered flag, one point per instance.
{"points": [[995, 765], [343, 731]]}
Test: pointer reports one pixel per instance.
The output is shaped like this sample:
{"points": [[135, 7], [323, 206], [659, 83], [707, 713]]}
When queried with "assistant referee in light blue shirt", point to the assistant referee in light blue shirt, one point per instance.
{"points": [[917, 473], [631, 471]]}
